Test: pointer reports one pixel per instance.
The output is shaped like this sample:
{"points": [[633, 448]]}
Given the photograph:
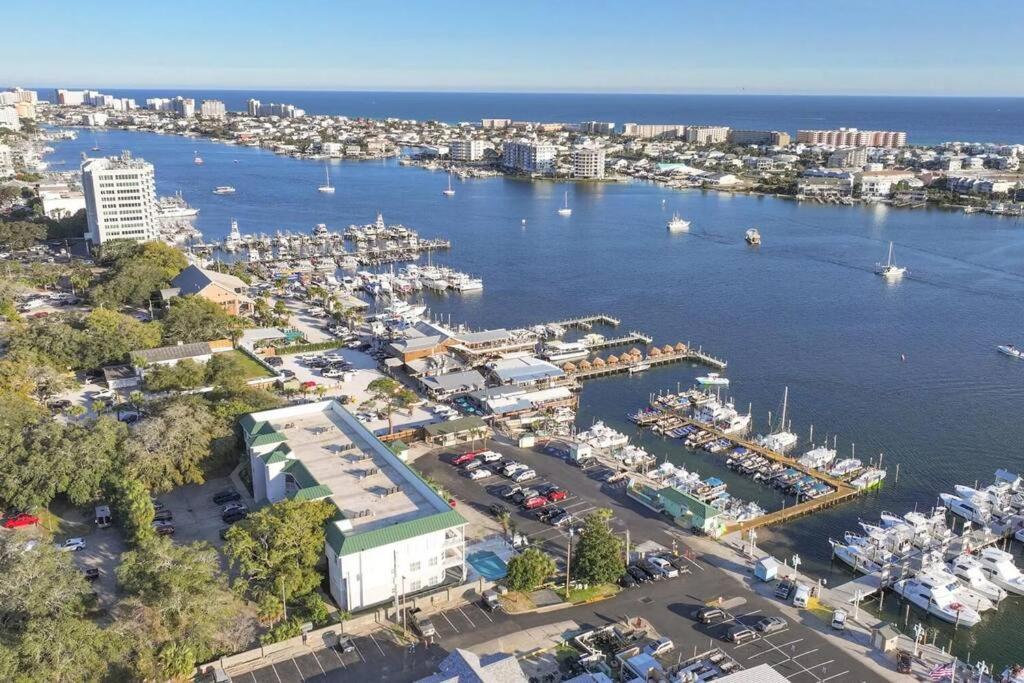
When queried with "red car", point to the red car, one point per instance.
{"points": [[557, 494], [21, 519], [464, 458], [535, 502]]}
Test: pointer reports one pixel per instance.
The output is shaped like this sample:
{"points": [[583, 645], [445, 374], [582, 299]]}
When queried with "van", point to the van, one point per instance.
{"points": [[803, 593], [525, 475], [710, 615], [103, 516]]}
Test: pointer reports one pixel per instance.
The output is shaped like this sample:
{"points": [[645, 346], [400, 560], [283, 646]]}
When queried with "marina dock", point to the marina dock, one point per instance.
{"points": [[625, 340], [585, 322], [633, 363]]}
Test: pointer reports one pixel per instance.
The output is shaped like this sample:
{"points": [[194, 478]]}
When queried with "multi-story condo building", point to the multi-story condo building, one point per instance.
{"points": [[851, 157], [777, 138], [653, 130], [588, 161], [6, 162], [9, 118], [70, 98], [707, 135], [212, 109], [17, 95], [495, 124], [289, 111], [120, 198], [597, 127], [466, 149], [393, 535], [528, 156], [851, 137]]}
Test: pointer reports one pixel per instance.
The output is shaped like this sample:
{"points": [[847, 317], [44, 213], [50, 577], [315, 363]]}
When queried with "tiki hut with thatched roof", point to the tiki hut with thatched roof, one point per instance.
{"points": [[654, 353], [612, 360], [569, 367], [681, 347], [599, 363], [667, 348], [584, 365], [635, 352]]}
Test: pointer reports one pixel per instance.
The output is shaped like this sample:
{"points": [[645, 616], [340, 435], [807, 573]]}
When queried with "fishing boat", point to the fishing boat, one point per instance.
{"points": [[938, 601], [753, 237], [449, 192], [969, 571], [223, 189], [998, 565], [565, 210], [890, 270], [678, 224], [713, 379], [559, 351], [869, 479], [965, 509], [327, 188], [1011, 351]]}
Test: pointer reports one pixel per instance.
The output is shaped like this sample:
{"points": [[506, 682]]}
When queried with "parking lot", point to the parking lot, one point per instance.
{"points": [[196, 516]]}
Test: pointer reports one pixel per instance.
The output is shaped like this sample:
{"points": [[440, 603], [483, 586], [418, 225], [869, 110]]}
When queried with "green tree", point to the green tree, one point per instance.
{"points": [[18, 235], [184, 375], [110, 337], [529, 569], [170, 447], [275, 550], [393, 395], [226, 372], [134, 509], [92, 455], [195, 319], [597, 555]]}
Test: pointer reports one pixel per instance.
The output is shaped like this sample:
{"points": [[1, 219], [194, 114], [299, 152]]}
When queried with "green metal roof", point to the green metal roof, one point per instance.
{"points": [[343, 544], [279, 454], [397, 446], [691, 503], [259, 432], [454, 426], [311, 493], [300, 474]]}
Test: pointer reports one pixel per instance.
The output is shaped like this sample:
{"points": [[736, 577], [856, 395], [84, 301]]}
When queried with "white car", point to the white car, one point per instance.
{"points": [[72, 544], [104, 393], [489, 456], [524, 475], [839, 620], [480, 473], [333, 372]]}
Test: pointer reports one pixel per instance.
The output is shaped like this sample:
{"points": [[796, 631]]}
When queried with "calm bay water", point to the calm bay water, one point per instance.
{"points": [[803, 311], [928, 120]]}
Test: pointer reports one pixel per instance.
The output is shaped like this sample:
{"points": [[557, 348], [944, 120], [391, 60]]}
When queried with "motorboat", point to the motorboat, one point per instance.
{"points": [[565, 210], [639, 367], [846, 467], [969, 571], [818, 458], [890, 270], [327, 188], [998, 565], [970, 511], [938, 601], [753, 237], [678, 224], [869, 479], [713, 379], [560, 351], [197, 160], [223, 189], [854, 557], [939, 575], [174, 206], [1011, 350], [449, 192]]}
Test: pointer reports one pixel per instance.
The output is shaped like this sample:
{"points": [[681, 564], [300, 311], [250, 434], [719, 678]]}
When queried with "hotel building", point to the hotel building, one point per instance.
{"points": [[588, 162], [120, 199], [528, 156], [466, 150], [851, 137]]}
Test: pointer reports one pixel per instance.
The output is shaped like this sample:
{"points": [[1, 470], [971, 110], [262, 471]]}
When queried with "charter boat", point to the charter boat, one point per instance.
{"points": [[1001, 570], [890, 270], [846, 467], [565, 210], [968, 510], [449, 192], [174, 206], [560, 351], [969, 571], [327, 188], [1011, 351], [869, 479], [818, 458], [939, 575], [854, 556], [938, 601], [223, 189], [677, 223], [753, 237], [713, 379]]}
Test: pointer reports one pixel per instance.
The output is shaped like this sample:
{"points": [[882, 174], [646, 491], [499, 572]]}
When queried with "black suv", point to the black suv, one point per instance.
{"points": [[227, 496], [233, 516]]}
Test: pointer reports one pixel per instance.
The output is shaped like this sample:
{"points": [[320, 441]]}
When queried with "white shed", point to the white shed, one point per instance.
{"points": [[767, 568]]}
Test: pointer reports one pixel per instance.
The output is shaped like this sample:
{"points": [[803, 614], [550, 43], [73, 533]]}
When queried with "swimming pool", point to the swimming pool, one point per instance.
{"points": [[488, 565]]}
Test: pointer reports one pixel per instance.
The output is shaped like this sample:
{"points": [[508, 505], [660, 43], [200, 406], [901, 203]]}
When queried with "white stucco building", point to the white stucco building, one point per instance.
{"points": [[466, 149], [392, 536], [588, 161], [528, 156], [120, 198]]}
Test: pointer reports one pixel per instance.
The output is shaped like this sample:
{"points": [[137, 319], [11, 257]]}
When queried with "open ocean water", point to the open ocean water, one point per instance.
{"points": [[804, 310]]}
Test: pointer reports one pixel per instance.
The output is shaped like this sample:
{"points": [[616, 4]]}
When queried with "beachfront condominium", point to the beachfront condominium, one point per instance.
{"points": [[9, 118], [588, 161], [775, 138], [707, 135], [393, 536], [288, 111], [212, 109], [18, 95], [528, 156], [848, 157], [597, 127], [466, 149], [653, 130], [851, 137], [120, 198]]}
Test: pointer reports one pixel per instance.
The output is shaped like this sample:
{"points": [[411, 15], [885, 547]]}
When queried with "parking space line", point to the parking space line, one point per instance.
{"points": [[302, 676], [342, 661], [358, 651], [466, 617], [806, 653], [484, 612], [835, 676], [377, 644], [276, 675], [449, 623], [322, 670], [818, 666]]}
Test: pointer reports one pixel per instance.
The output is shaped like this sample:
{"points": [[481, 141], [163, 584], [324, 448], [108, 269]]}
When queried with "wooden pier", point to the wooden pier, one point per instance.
{"points": [[585, 322], [631, 338], [635, 364]]}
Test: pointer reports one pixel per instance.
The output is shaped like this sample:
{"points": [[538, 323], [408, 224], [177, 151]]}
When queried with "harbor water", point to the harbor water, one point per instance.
{"points": [[906, 369]]}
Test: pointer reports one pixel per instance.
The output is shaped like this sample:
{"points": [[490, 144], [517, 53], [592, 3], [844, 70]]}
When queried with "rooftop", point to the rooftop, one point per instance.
{"points": [[175, 352], [524, 369]]}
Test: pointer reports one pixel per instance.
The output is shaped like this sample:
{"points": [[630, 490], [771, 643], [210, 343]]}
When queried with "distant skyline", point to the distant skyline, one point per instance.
{"points": [[798, 47]]}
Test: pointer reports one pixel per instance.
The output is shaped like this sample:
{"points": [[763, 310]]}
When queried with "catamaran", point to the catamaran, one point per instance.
{"points": [[565, 210], [890, 270], [449, 192], [678, 223], [327, 188]]}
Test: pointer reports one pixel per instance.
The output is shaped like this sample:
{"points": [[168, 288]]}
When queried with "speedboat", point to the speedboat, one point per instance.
{"points": [[1000, 568], [713, 379], [846, 467], [753, 237], [223, 189], [1011, 350], [969, 570], [678, 223], [639, 367], [854, 556], [890, 271], [938, 601]]}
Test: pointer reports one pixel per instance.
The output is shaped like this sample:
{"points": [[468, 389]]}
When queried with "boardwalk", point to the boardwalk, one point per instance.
{"points": [[624, 340], [587, 321], [634, 364]]}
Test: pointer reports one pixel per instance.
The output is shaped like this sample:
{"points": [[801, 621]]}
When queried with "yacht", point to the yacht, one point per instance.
{"points": [[677, 223], [449, 192], [234, 238], [890, 270], [461, 282], [969, 570], [197, 160], [601, 435], [1011, 350], [223, 189], [753, 237], [174, 206], [327, 188], [713, 379], [938, 600], [565, 210], [999, 566], [818, 458], [970, 511], [855, 557], [559, 351], [846, 467]]}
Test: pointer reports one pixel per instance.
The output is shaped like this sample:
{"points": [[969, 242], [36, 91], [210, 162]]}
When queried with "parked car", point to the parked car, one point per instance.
{"points": [[639, 574], [784, 590], [20, 519], [490, 456], [345, 644], [525, 475], [513, 469], [104, 394], [480, 473], [464, 458], [770, 624], [663, 566], [230, 507], [801, 596], [839, 620], [740, 634], [651, 568], [710, 615], [332, 372], [91, 573], [58, 404], [497, 509], [661, 646], [490, 600], [509, 491], [234, 516], [286, 373], [678, 562], [627, 580], [557, 494], [73, 544], [274, 361], [535, 502], [226, 496], [560, 520], [421, 624], [163, 516], [472, 465], [163, 528], [652, 575]]}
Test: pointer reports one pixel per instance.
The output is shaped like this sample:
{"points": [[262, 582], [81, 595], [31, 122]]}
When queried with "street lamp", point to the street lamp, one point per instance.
{"points": [[752, 535]]}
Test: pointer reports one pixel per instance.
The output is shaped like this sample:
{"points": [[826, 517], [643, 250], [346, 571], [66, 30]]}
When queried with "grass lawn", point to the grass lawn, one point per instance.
{"points": [[599, 592], [250, 368]]}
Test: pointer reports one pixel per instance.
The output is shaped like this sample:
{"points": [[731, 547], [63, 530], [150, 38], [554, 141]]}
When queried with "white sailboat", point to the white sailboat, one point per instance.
{"points": [[678, 223], [196, 159], [449, 192], [327, 188], [782, 440], [565, 210], [890, 270]]}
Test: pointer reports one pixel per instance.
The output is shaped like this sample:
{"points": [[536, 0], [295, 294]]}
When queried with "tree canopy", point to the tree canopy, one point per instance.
{"points": [[529, 569], [597, 556], [195, 319]]}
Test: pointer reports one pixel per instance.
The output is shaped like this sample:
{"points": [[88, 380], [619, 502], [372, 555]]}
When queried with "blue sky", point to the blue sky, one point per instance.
{"points": [[895, 47]]}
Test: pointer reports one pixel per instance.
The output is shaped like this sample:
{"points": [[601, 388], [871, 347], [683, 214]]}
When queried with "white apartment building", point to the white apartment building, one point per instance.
{"points": [[880, 184], [17, 95], [466, 150], [9, 118], [853, 157], [851, 137], [288, 111], [213, 109], [61, 203], [6, 162], [70, 98], [393, 535], [653, 130], [707, 135], [120, 198], [528, 156], [588, 162]]}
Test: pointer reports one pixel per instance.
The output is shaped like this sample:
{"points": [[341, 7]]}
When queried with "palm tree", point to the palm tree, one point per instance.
{"points": [[393, 395]]}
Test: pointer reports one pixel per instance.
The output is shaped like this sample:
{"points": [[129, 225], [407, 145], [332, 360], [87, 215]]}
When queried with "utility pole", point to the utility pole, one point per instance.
{"points": [[568, 564]]}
